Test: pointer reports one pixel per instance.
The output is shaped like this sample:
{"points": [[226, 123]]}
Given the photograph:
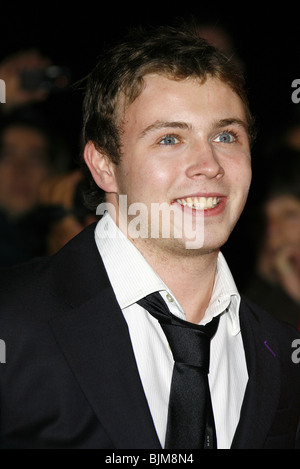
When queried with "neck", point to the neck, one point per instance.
{"points": [[189, 274], [190, 277]]}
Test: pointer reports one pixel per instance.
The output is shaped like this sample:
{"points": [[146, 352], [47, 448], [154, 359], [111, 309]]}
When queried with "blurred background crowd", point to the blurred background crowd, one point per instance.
{"points": [[45, 53]]}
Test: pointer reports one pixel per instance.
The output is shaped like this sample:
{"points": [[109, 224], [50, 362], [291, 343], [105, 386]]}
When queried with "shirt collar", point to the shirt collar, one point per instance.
{"points": [[132, 277], [225, 296]]}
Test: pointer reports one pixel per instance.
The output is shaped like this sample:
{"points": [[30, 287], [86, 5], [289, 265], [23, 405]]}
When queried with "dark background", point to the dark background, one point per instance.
{"points": [[266, 38]]}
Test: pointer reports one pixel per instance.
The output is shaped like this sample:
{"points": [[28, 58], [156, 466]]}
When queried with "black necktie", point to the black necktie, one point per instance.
{"points": [[190, 416]]}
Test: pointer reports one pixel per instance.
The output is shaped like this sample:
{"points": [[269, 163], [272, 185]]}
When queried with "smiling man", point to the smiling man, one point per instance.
{"points": [[186, 144], [92, 333]]}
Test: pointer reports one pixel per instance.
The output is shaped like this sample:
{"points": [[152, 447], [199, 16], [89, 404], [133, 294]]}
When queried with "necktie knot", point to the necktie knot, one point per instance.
{"points": [[189, 345]]}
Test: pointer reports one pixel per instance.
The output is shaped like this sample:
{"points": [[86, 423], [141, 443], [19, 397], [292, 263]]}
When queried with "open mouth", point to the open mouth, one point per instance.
{"points": [[199, 203]]}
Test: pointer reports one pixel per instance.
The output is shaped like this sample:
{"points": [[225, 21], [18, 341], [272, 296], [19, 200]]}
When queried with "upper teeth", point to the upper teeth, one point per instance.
{"points": [[202, 203]]}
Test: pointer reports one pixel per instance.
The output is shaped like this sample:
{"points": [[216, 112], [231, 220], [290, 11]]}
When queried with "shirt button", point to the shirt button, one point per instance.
{"points": [[170, 298]]}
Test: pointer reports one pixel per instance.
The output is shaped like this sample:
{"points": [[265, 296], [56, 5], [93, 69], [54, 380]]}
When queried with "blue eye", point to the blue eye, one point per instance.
{"points": [[225, 137], [169, 140]]}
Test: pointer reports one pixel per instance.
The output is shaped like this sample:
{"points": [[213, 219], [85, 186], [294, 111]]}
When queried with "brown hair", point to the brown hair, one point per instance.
{"points": [[177, 53]]}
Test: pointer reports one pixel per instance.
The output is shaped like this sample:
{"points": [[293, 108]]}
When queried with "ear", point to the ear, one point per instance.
{"points": [[101, 168]]}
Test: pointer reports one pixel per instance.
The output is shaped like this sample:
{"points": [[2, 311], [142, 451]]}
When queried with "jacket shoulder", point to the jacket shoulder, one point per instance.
{"points": [[266, 320], [282, 339], [55, 282]]}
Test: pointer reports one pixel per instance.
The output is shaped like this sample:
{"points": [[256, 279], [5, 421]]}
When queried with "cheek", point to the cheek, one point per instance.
{"points": [[242, 176], [240, 180], [145, 180]]}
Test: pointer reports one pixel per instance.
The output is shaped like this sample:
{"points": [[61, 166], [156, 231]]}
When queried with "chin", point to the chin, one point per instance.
{"points": [[210, 245], [186, 248]]}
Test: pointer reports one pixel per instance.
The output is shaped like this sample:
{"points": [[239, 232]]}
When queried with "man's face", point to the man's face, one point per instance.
{"points": [[23, 166], [185, 144]]}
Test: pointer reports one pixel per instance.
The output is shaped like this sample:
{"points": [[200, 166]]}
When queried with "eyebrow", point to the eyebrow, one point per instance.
{"points": [[163, 125], [230, 121], [185, 126]]}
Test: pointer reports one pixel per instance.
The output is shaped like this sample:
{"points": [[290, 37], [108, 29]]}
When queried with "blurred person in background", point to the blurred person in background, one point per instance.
{"points": [[29, 78], [25, 161], [41, 207], [276, 282], [62, 197], [11, 69], [29, 155]]}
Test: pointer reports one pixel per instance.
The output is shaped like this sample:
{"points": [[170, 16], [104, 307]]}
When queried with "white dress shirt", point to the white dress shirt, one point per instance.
{"points": [[132, 278]]}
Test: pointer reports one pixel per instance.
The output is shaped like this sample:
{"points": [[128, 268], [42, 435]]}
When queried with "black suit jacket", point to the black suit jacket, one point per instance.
{"points": [[70, 379]]}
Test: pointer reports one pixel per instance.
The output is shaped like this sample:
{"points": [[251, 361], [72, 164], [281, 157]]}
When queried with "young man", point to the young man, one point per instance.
{"points": [[167, 130]]}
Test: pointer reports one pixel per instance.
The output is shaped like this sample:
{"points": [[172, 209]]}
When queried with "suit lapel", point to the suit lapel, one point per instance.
{"points": [[94, 338], [262, 392]]}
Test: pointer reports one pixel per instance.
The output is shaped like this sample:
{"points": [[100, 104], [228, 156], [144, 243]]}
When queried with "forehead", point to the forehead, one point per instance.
{"points": [[165, 98]]}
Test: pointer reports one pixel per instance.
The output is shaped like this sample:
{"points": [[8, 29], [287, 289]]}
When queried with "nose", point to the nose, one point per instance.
{"points": [[203, 162]]}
